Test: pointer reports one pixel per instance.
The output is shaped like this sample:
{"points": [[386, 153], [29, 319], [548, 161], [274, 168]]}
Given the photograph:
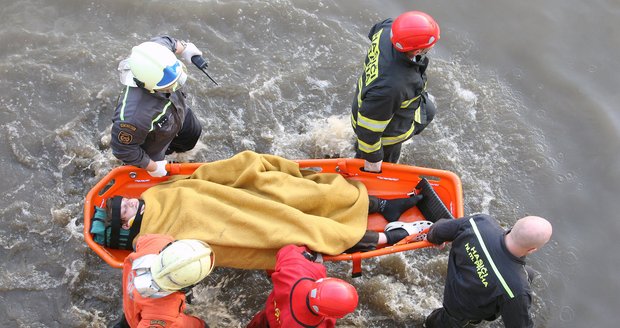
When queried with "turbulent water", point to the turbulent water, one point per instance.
{"points": [[527, 98]]}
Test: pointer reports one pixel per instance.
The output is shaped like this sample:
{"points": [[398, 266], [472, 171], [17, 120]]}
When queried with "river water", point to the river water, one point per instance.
{"points": [[527, 98]]}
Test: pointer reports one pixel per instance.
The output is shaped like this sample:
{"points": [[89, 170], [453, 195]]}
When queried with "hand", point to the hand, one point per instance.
{"points": [[372, 167], [160, 171], [190, 51], [440, 247]]}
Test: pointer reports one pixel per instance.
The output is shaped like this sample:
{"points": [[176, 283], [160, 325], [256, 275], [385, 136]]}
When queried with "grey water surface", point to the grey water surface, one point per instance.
{"points": [[527, 96]]}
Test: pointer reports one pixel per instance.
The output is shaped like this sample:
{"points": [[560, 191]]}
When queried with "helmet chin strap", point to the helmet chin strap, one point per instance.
{"points": [[418, 58]]}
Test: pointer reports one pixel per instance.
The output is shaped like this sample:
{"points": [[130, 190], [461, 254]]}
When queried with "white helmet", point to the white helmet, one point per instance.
{"points": [[183, 263], [156, 66]]}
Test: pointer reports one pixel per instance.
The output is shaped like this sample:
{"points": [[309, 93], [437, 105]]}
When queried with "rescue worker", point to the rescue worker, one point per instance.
{"points": [[390, 103], [302, 296], [156, 278], [487, 276], [152, 118]]}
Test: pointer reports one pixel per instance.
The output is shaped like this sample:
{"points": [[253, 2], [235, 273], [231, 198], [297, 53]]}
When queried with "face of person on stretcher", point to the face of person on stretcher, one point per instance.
{"points": [[129, 209]]}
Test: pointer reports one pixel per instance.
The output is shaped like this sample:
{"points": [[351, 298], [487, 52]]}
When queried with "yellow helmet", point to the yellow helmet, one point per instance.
{"points": [[183, 263], [156, 66]]}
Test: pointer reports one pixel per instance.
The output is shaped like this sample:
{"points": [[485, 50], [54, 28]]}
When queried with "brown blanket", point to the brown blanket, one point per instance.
{"points": [[249, 206]]}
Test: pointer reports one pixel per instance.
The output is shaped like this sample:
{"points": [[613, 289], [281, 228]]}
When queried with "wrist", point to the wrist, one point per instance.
{"points": [[181, 46], [152, 166]]}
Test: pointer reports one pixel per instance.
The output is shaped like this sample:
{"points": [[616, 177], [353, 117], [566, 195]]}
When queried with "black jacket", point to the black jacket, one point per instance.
{"points": [[484, 279], [390, 103], [145, 123]]}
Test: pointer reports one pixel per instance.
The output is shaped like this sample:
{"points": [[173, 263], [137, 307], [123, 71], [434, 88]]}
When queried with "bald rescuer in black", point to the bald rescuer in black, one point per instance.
{"points": [[486, 270]]}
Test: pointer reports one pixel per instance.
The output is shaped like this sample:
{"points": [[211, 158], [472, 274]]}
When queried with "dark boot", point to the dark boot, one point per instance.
{"points": [[392, 209]]}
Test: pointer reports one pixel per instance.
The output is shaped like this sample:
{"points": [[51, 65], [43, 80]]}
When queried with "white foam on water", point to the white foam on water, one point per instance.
{"points": [[327, 137], [29, 277]]}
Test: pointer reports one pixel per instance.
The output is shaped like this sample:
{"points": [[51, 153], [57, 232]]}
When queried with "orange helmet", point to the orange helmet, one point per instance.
{"points": [[414, 30]]}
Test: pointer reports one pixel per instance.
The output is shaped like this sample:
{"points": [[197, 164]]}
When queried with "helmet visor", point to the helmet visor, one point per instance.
{"points": [[178, 83]]}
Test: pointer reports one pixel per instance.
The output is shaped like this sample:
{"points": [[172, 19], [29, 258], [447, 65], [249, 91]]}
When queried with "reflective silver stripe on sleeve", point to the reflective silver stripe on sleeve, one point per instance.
{"points": [[160, 115], [122, 116], [367, 148], [370, 124]]}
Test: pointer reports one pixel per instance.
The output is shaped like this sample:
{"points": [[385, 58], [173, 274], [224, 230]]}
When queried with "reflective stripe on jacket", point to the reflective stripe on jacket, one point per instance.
{"points": [[144, 124]]}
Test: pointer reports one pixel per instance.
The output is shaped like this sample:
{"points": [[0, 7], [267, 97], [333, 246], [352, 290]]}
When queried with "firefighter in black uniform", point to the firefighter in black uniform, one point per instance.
{"points": [[486, 270], [152, 118], [391, 104]]}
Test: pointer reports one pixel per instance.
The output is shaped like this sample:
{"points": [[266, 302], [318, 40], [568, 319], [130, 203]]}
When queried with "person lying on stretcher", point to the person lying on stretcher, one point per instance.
{"points": [[251, 205], [391, 209]]}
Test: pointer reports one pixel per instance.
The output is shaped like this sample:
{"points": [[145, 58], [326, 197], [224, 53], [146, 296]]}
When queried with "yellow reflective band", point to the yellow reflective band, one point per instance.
{"points": [[353, 123], [488, 256], [359, 92], [406, 103], [394, 140], [372, 68], [368, 148], [159, 116], [124, 103], [370, 124], [417, 114]]}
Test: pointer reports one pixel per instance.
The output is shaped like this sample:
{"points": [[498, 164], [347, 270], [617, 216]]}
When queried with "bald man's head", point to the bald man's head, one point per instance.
{"points": [[530, 233]]}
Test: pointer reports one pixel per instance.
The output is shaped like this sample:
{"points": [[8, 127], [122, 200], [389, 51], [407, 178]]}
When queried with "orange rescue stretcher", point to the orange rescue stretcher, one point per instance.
{"points": [[442, 192]]}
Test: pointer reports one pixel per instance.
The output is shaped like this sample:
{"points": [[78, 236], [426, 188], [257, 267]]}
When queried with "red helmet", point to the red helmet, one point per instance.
{"points": [[312, 301], [332, 297], [414, 30]]}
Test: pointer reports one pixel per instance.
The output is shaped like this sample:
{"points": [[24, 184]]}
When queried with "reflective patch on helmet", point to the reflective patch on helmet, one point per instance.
{"points": [[125, 137], [128, 126], [171, 73], [431, 40], [398, 45]]}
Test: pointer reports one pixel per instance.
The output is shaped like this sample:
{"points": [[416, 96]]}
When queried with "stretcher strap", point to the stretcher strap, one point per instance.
{"points": [[115, 222], [356, 259], [135, 227]]}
